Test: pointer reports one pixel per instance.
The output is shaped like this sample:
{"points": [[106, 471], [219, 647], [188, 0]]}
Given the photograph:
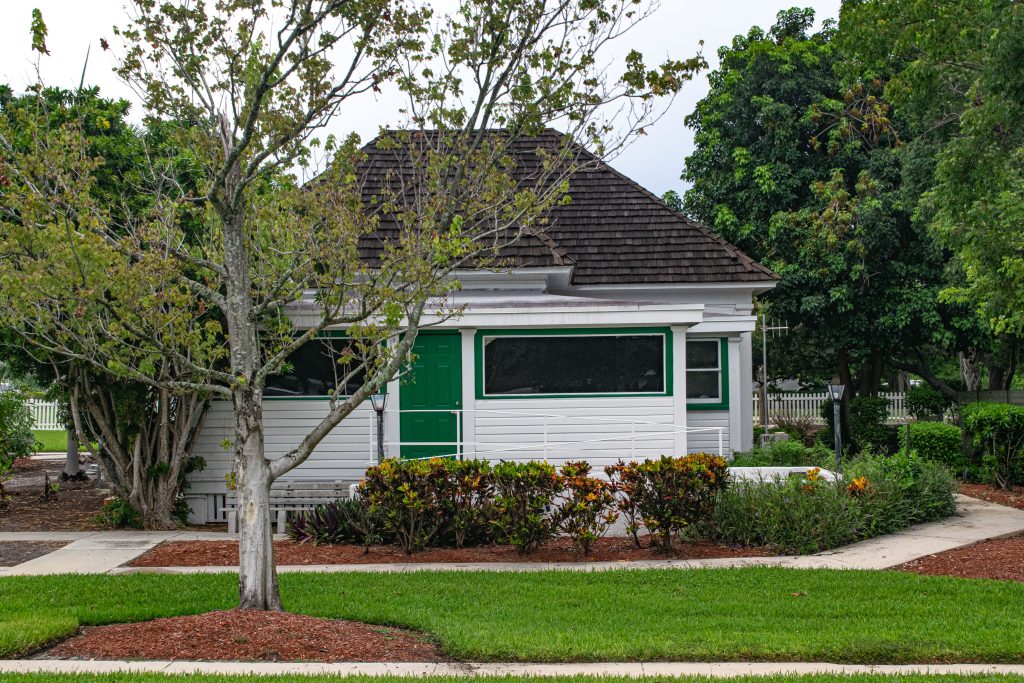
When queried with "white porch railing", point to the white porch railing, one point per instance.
{"points": [[808, 406], [44, 415], [635, 434]]}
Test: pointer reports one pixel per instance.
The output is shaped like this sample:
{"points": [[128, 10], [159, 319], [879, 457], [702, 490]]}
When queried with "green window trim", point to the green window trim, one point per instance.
{"points": [[478, 358], [723, 404], [324, 334]]}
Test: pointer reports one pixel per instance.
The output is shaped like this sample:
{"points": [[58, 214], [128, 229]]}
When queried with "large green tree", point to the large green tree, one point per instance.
{"points": [[796, 163], [249, 83], [956, 73], [147, 434]]}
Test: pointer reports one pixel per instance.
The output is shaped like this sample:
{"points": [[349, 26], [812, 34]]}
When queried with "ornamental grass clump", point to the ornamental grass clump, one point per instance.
{"points": [[524, 497], [670, 494], [340, 521], [587, 507], [807, 513]]}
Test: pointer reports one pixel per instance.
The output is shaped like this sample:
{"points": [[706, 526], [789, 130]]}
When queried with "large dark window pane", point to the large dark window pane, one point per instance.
{"points": [[587, 364], [314, 371]]}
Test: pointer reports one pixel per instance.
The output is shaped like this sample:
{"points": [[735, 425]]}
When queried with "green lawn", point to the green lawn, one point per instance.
{"points": [[700, 615], [53, 441], [195, 678]]}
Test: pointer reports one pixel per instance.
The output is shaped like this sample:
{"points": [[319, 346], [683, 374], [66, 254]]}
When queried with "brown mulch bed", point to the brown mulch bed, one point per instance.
{"points": [[1013, 498], [248, 635], [75, 509], [1001, 558], [16, 552], [225, 553]]}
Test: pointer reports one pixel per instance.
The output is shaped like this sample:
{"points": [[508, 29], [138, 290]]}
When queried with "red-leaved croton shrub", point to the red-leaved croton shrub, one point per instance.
{"points": [[668, 494], [587, 507]]}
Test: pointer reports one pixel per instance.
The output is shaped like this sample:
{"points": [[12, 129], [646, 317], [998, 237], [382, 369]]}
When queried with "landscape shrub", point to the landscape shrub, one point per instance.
{"points": [[670, 494], [998, 430], [16, 437], [587, 508], [340, 521], [784, 454], [936, 441], [867, 428], [807, 513], [925, 402], [466, 503], [116, 513], [524, 496], [404, 494]]}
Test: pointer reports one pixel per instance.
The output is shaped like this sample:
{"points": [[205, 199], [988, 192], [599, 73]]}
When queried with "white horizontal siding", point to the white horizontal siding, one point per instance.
{"points": [[600, 430], [706, 441], [343, 455]]}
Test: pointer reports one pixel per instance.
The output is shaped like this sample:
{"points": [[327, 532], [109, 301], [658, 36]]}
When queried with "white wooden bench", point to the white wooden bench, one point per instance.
{"points": [[291, 496]]}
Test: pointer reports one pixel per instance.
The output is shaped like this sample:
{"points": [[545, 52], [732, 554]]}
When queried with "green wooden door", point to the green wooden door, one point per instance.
{"points": [[435, 384]]}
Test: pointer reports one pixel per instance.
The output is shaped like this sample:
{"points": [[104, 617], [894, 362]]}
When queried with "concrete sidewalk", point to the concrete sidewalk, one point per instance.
{"points": [[630, 669], [106, 552]]}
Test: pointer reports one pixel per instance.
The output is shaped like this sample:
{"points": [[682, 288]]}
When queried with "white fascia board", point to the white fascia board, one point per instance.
{"points": [[573, 316], [744, 323], [515, 278], [688, 289]]}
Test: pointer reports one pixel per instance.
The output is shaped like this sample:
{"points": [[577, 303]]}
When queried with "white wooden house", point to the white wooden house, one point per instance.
{"points": [[623, 332]]}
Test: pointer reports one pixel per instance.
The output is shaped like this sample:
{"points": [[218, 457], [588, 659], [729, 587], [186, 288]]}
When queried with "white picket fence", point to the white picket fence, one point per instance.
{"points": [[44, 414], [797, 406]]}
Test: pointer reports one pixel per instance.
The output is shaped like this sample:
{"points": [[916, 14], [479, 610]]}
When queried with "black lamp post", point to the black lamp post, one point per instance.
{"points": [[835, 392], [378, 401]]}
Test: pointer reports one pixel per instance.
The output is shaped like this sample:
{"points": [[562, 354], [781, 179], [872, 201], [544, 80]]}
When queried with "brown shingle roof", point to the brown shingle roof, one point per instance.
{"points": [[613, 230]]}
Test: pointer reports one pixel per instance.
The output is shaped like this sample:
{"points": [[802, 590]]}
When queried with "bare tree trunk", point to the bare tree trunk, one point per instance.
{"points": [[72, 464], [970, 370], [257, 575]]}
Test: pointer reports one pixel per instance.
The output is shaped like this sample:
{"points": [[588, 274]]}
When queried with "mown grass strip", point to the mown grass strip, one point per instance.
{"points": [[749, 614], [206, 678]]}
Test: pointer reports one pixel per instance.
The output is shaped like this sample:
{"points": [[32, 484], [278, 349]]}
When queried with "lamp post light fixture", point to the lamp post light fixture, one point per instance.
{"points": [[379, 401], [835, 392]]}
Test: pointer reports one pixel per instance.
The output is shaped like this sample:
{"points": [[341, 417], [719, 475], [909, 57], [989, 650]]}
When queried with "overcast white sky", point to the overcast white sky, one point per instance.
{"points": [[655, 161]]}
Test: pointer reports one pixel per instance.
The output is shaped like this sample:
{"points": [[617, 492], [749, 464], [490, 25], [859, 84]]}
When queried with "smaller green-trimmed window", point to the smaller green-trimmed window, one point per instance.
{"points": [[705, 372], [314, 370]]}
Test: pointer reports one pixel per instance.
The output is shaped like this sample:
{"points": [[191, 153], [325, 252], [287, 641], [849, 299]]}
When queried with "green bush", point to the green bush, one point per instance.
{"points": [[867, 428], [998, 430], [784, 454], [670, 494], [924, 402], [404, 494], [938, 442], [524, 496], [116, 513], [16, 437], [807, 514]]}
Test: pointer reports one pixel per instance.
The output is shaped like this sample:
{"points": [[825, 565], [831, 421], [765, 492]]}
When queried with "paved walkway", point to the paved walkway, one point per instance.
{"points": [[106, 552], [631, 669]]}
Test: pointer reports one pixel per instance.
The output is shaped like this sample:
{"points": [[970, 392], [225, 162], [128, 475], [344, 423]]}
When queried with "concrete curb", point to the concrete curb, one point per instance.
{"points": [[628, 669]]}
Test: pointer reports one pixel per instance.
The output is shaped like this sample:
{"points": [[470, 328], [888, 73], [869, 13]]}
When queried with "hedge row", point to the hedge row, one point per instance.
{"points": [[455, 503]]}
